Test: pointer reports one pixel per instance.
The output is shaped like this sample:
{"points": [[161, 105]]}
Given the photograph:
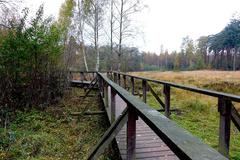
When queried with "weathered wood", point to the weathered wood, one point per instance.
{"points": [[131, 133], [88, 113], [119, 79], [235, 116], [132, 85], [109, 135], [81, 76], [144, 90], [166, 91], [115, 77], [106, 94], [124, 82], [181, 142], [156, 96], [231, 97], [224, 108], [113, 105]]}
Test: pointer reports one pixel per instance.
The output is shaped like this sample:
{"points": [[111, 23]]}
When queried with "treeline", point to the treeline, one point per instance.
{"points": [[220, 51]]}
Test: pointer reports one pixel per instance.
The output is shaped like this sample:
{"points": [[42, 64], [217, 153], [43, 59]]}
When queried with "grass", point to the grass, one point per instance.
{"points": [[54, 134], [198, 113]]}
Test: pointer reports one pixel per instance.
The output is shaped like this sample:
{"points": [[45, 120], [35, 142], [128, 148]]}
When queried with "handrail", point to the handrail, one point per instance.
{"points": [[217, 94], [180, 141]]}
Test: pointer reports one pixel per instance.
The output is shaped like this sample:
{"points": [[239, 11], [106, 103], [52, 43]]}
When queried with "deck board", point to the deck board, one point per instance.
{"points": [[148, 145]]}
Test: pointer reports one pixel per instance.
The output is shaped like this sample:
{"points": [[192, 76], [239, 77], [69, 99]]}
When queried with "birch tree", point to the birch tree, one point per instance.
{"points": [[125, 11], [94, 21], [80, 21]]}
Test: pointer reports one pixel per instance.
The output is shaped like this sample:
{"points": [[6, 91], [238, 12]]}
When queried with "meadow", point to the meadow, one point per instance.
{"points": [[199, 113]]}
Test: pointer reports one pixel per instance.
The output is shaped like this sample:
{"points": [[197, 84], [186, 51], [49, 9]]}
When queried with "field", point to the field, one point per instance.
{"points": [[198, 113], [55, 134]]}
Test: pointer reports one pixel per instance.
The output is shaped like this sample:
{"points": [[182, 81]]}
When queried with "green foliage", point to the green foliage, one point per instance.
{"points": [[31, 72]]}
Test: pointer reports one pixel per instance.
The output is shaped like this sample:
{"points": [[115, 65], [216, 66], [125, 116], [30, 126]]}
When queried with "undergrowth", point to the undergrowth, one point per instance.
{"points": [[54, 134]]}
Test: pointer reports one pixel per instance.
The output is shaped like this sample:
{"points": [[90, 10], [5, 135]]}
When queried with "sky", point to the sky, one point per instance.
{"points": [[166, 22]]}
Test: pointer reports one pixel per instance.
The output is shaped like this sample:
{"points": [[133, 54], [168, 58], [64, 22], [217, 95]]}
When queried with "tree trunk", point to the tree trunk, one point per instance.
{"points": [[120, 37], [84, 56], [234, 59]]}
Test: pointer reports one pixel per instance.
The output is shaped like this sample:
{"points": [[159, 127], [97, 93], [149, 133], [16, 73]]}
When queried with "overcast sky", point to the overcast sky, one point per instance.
{"points": [[168, 21]]}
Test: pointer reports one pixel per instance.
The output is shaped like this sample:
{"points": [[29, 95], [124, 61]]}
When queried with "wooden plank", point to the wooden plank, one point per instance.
{"points": [[166, 91], [156, 96], [88, 113], [235, 116], [180, 141], [224, 125], [144, 90], [109, 135]]}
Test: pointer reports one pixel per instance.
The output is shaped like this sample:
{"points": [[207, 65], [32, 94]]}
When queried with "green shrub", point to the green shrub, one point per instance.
{"points": [[31, 70]]}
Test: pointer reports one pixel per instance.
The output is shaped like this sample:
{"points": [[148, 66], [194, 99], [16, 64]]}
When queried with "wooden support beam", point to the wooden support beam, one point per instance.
{"points": [[132, 85], [119, 79], [115, 77], [81, 76], [109, 135], [235, 116], [166, 91], [131, 133], [113, 105], [106, 94], [156, 96], [87, 113], [144, 90], [124, 82], [224, 108]]}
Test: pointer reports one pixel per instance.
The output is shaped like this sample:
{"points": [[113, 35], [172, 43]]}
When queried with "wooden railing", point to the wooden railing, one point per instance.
{"points": [[225, 107], [181, 142]]}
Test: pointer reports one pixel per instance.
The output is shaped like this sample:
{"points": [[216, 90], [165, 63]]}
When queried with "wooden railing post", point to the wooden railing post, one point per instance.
{"points": [[115, 77], [131, 133], [100, 82], [132, 85], [124, 82], [144, 90], [81, 76], [166, 91], [106, 94], [119, 79], [224, 108], [93, 74], [113, 105]]}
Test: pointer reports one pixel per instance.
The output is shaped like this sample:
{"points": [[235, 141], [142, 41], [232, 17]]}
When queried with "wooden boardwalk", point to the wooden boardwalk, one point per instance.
{"points": [[137, 140], [148, 145]]}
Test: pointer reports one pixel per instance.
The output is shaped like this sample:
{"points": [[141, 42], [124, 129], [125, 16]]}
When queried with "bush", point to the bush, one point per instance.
{"points": [[31, 70]]}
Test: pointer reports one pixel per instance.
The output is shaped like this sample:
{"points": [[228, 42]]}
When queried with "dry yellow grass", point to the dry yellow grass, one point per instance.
{"points": [[199, 113], [196, 78], [222, 81]]}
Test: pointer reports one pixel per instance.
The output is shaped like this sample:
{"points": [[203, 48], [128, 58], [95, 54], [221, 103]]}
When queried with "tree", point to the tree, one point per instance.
{"points": [[94, 20], [64, 22], [79, 23], [125, 10]]}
